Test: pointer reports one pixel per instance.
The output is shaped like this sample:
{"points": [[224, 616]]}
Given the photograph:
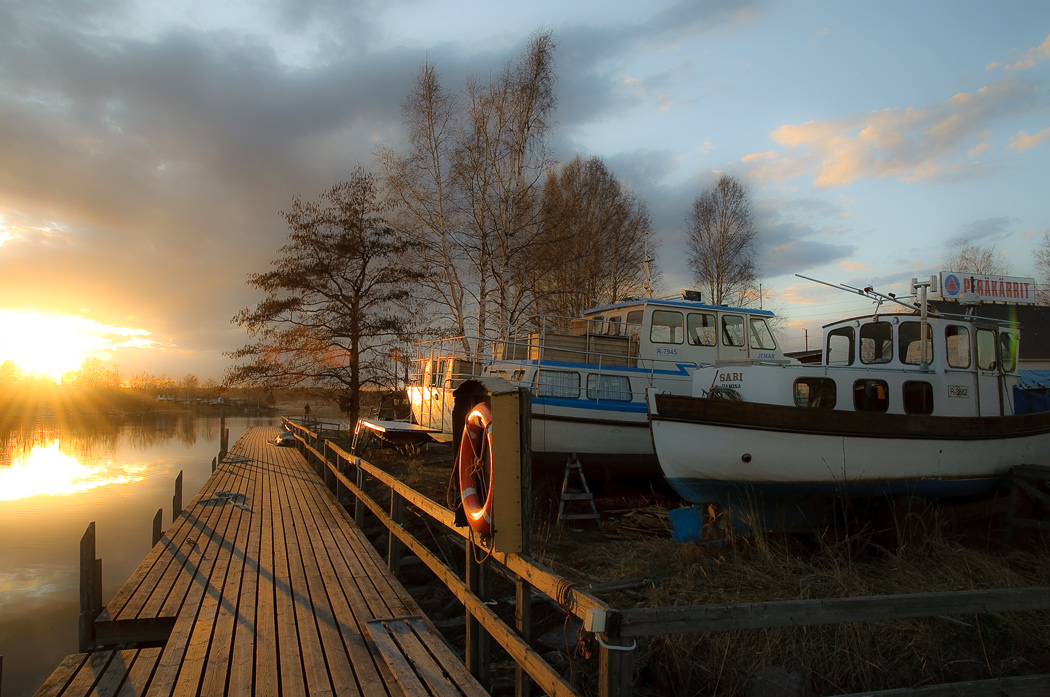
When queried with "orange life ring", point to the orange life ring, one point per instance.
{"points": [[474, 462]]}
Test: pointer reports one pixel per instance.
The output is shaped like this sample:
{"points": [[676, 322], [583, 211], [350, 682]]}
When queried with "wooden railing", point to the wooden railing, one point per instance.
{"points": [[618, 629]]}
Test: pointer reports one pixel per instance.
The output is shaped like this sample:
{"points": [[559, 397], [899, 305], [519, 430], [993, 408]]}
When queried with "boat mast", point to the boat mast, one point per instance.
{"points": [[647, 283]]}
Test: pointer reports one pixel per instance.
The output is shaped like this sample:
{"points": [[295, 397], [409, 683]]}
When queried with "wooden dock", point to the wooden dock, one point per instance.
{"points": [[263, 585]]}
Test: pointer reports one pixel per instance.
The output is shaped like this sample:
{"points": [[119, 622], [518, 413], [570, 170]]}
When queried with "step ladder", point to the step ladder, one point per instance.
{"points": [[569, 495]]}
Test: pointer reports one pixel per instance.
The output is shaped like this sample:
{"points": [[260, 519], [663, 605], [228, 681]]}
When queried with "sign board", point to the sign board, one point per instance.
{"points": [[1001, 289]]}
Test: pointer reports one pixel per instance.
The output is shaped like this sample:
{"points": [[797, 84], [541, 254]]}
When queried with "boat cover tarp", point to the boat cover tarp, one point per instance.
{"points": [[1028, 401], [1033, 379]]}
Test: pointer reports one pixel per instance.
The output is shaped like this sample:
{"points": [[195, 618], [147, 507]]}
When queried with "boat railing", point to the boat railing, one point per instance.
{"points": [[443, 364]]}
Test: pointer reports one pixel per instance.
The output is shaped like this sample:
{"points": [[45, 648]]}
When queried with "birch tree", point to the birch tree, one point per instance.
{"points": [[427, 208], [722, 240]]}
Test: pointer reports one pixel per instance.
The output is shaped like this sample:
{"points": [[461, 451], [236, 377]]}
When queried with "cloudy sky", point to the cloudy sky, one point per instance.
{"points": [[146, 147]]}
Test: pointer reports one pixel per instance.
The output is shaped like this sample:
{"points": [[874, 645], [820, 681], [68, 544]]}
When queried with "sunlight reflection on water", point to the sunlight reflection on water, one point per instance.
{"points": [[55, 479], [46, 470]]}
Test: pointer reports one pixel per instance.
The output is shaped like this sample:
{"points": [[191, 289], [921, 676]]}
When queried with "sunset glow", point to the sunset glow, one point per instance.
{"points": [[46, 470], [52, 345]]}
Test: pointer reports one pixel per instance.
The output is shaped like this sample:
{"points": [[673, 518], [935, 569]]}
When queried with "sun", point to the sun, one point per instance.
{"points": [[52, 345]]}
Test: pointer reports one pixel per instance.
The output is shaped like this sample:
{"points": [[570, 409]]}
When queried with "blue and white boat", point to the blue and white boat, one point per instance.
{"points": [[588, 375]]}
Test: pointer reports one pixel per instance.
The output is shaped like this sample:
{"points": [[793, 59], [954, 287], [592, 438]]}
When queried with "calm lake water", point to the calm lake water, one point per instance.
{"points": [[55, 479]]}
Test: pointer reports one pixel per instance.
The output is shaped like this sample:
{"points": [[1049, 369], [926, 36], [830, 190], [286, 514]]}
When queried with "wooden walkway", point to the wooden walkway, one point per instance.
{"points": [[263, 586]]}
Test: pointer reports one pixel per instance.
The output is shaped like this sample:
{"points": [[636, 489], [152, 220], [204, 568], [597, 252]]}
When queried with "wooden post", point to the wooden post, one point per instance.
{"points": [[325, 469], [478, 649], [214, 463], [615, 672], [90, 589], [158, 522], [359, 505], [394, 545], [223, 436], [523, 685], [176, 500]]}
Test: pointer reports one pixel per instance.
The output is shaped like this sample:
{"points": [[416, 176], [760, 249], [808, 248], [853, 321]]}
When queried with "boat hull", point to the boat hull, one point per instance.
{"points": [[713, 450]]}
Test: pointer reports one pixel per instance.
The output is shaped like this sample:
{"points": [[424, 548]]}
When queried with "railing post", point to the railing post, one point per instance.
{"points": [[176, 500], [359, 505], [90, 589], [158, 522], [478, 649], [394, 546]]}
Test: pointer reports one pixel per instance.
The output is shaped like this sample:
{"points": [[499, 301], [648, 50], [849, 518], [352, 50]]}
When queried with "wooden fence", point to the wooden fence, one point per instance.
{"points": [[618, 629]]}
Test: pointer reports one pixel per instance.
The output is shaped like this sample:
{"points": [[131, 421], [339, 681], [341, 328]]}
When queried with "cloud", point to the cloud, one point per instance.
{"points": [[1034, 55], [984, 230], [908, 144], [1022, 141]]}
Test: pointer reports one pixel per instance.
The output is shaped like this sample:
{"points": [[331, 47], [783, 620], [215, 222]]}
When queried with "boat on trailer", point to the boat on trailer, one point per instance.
{"points": [[905, 402], [588, 375]]}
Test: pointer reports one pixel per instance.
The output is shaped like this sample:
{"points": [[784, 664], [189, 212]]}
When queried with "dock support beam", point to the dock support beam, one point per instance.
{"points": [[90, 588], [158, 526], [176, 500]]}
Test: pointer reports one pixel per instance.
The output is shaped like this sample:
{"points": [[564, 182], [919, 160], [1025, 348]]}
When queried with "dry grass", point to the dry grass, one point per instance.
{"points": [[831, 659], [914, 555]]}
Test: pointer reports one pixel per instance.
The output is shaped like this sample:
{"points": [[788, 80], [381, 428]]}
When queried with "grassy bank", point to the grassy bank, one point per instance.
{"points": [[916, 551]]}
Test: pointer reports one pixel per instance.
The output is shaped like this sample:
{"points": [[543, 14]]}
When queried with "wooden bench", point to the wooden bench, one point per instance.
{"points": [[422, 663]]}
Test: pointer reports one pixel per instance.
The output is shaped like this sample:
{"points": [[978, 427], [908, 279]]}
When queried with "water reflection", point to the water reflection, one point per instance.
{"points": [[48, 470], [56, 476]]}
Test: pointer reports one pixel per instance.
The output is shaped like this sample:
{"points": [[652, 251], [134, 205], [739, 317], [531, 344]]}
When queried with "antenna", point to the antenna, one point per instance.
{"points": [[867, 292], [646, 284]]}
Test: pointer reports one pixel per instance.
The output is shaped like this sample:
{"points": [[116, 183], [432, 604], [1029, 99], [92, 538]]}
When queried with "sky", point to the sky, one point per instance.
{"points": [[147, 147]]}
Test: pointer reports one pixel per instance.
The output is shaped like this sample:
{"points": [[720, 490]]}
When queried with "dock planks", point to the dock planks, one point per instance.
{"points": [[262, 586]]}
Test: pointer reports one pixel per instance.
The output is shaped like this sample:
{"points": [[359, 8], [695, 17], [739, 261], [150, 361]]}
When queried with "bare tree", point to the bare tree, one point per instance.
{"points": [[467, 187], [501, 161], [973, 258], [426, 205], [327, 319], [1042, 268], [722, 240], [594, 230]]}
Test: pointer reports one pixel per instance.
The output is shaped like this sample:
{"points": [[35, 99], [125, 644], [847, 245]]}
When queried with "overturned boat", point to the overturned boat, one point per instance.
{"points": [[901, 402]]}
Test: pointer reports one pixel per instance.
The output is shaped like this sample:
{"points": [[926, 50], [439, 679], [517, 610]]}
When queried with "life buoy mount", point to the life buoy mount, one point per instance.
{"points": [[474, 465]]}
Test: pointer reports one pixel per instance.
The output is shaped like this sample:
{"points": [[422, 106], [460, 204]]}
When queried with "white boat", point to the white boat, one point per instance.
{"points": [[878, 415], [588, 375]]}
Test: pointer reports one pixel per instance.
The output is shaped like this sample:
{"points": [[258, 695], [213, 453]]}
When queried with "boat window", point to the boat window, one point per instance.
{"points": [[870, 395], [701, 328], [732, 330], [612, 327], [437, 376], [986, 349], [957, 345], [633, 328], [558, 383], [818, 393], [667, 327], [1008, 351], [918, 397], [761, 337], [910, 343], [840, 346], [876, 342], [616, 388]]}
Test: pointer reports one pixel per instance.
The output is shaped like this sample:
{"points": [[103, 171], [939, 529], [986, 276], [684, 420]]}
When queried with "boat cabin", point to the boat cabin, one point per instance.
{"points": [[603, 359], [949, 365]]}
